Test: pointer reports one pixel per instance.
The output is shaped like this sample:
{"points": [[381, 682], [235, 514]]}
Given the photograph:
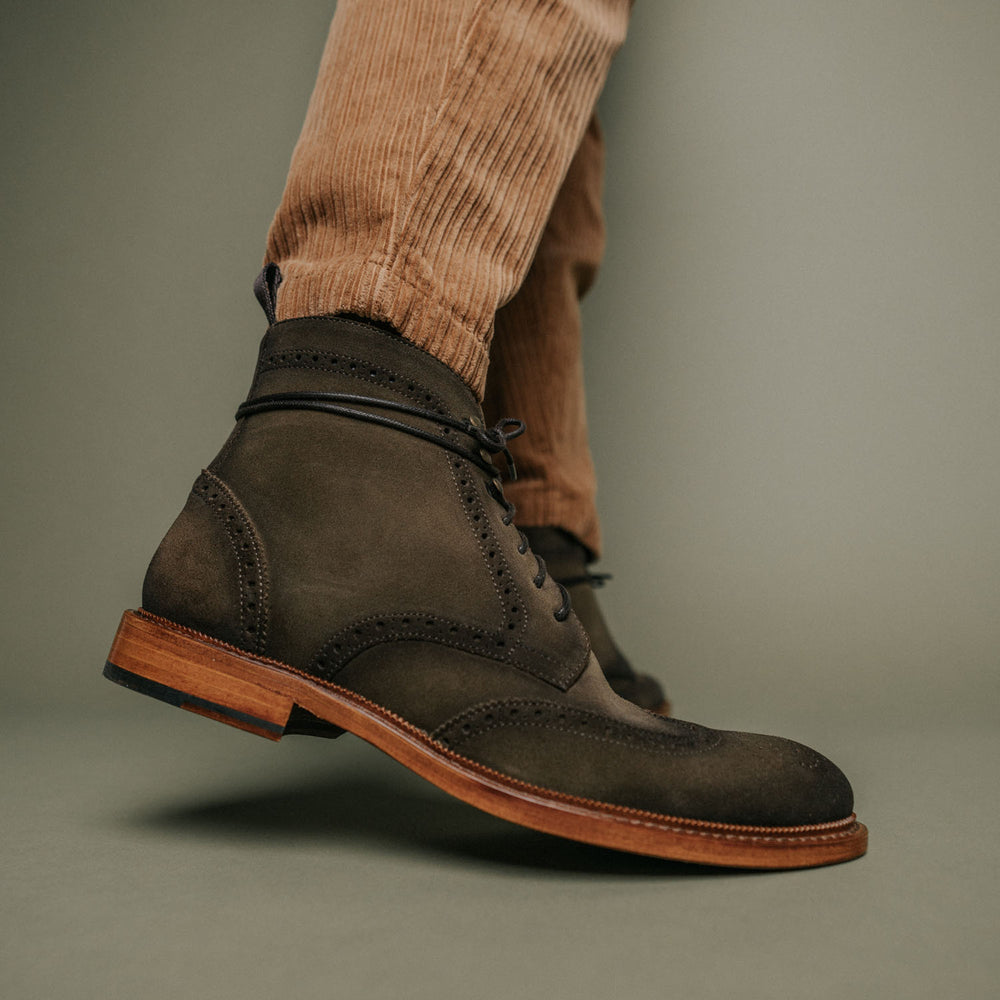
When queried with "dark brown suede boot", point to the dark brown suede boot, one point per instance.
{"points": [[348, 562], [566, 560]]}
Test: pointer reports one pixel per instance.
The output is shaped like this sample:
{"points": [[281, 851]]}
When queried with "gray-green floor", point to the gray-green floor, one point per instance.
{"points": [[155, 854], [792, 366]]}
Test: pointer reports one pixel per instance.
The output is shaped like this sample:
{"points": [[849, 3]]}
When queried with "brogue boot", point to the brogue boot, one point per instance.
{"points": [[348, 562]]}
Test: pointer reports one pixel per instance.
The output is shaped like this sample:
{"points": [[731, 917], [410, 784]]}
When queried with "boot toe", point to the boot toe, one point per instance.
{"points": [[665, 766], [770, 781]]}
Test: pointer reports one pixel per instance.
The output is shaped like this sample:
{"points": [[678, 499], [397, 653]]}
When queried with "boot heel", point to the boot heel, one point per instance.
{"points": [[208, 679]]}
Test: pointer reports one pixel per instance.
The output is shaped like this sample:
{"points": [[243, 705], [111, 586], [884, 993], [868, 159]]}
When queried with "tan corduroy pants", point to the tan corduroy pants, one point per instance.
{"points": [[447, 181]]}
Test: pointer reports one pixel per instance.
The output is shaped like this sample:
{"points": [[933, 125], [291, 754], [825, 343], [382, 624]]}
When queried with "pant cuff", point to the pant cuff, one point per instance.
{"points": [[378, 291]]}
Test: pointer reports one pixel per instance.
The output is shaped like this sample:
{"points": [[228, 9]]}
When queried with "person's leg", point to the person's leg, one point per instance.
{"points": [[536, 361], [417, 194], [348, 561], [536, 371]]}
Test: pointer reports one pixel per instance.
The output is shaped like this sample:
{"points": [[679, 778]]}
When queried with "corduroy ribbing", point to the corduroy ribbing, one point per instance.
{"points": [[536, 368], [434, 145]]}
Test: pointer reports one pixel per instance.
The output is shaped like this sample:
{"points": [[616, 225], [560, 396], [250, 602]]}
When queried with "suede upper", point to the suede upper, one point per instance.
{"points": [[386, 563]]}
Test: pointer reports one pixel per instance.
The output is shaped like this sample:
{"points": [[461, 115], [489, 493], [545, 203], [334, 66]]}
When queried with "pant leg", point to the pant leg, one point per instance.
{"points": [[536, 366], [434, 145]]}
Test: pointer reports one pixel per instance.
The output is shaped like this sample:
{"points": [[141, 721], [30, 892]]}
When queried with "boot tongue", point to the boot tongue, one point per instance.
{"points": [[348, 355]]}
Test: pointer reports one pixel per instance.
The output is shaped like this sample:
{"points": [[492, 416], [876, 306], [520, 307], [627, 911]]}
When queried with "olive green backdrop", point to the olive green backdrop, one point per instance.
{"points": [[793, 362]]}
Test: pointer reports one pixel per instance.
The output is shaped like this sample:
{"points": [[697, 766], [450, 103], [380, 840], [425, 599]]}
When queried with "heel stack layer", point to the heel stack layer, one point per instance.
{"points": [[201, 678]]}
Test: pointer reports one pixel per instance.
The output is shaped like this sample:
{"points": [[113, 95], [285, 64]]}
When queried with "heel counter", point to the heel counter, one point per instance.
{"points": [[209, 572]]}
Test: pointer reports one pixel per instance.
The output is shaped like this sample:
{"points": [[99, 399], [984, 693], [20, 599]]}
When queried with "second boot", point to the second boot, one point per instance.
{"points": [[567, 559]]}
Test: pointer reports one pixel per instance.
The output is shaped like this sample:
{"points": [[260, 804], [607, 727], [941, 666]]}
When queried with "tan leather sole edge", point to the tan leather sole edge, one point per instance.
{"points": [[213, 679]]}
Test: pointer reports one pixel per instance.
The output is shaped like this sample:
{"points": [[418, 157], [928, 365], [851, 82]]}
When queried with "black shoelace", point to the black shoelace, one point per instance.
{"points": [[490, 441]]}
